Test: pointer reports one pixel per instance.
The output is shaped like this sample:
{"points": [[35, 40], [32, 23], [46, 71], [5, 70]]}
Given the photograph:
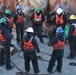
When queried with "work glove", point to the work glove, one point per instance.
{"points": [[38, 51]]}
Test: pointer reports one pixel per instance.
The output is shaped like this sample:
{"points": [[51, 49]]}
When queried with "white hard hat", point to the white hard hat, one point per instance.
{"points": [[59, 11], [30, 29]]}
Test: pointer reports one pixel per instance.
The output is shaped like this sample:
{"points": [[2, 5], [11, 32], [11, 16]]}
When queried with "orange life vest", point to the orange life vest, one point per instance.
{"points": [[74, 32], [59, 20], [37, 17], [59, 45], [10, 22], [2, 38], [20, 19], [28, 45]]}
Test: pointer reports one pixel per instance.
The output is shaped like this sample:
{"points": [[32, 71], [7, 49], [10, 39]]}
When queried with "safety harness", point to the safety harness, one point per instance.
{"points": [[20, 19], [58, 45], [37, 18], [10, 22], [28, 45], [2, 38], [74, 32], [59, 20]]}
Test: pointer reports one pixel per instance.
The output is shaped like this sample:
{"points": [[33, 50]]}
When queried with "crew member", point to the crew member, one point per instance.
{"points": [[60, 18], [19, 22], [29, 47], [72, 37], [37, 20], [5, 38], [58, 49], [10, 23]]}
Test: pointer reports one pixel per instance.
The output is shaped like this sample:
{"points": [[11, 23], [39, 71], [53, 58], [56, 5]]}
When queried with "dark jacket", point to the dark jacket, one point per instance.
{"points": [[34, 42], [8, 16], [70, 36], [5, 32], [60, 36], [71, 21], [64, 18]]}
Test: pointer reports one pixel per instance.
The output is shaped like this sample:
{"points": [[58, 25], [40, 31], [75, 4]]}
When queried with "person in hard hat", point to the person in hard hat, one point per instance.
{"points": [[10, 23], [58, 49], [29, 47], [37, 20], [5, 38], [72, 37], [60, 18], [72, 19], [19, 22]]}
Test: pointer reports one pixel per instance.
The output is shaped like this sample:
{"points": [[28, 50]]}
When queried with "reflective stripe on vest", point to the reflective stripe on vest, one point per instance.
{"points": [[20, 19], [74, 32], [37, 18], [59, 45], [28, 45], [2, 38], [59, 20], [10, 22]]}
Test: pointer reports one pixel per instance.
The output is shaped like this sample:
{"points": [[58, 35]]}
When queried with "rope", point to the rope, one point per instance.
{"points": [[24, 73], [39, 58], [46, 53], [20, 55], [16, 67]]}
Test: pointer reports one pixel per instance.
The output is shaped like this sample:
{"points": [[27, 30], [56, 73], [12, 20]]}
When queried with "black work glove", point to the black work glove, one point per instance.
{"points": [[38, 51], [22, 50]]}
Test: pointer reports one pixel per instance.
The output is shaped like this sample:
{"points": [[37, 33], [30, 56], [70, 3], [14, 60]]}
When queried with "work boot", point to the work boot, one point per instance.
{"points": [[1, 64], [59, 71], [11, 45], [11, 67], [27, 71], [42, 41], [37, 73], [49, 71]]}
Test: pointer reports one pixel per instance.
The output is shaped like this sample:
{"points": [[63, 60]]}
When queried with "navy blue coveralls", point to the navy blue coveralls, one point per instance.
{"points": [[31, 54], [5, 50], [38, 27], [19, 26], [72, 41]]}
